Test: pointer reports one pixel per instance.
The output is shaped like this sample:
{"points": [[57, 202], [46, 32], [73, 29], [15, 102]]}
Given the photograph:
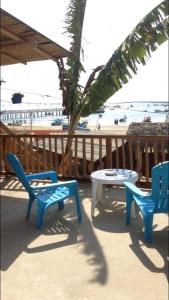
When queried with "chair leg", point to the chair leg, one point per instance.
{"points": [[148, 224], [78, 207], [129, 200], [61, 204], [29, 207], [39, 217]]}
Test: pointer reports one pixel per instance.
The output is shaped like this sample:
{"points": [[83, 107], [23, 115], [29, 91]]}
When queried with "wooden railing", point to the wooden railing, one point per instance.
{"points": [[88, 153]]}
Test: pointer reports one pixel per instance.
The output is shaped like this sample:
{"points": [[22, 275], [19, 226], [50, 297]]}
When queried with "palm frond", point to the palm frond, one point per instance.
{"points": [[136, 49], [74, 27]]}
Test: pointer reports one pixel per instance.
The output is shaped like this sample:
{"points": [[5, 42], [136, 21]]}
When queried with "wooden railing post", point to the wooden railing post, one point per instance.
{"points": [[89, 153], [138, 158], [3, 166], [108, 152]]}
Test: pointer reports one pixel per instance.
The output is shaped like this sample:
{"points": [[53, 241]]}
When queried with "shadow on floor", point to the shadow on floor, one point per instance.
{"points": [[160, 244], [18, 234], [114, 221]]}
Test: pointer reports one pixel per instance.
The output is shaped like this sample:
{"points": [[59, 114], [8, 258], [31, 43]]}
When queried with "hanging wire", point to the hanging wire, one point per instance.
{"points": [[49, 96], [32, 93], [51, 103]]}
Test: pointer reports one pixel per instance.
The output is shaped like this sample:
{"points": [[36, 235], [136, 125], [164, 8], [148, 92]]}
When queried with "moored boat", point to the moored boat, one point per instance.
{"points": [[123, 119], [82, 125], [58, 121], [99, 111], [147, 119]]}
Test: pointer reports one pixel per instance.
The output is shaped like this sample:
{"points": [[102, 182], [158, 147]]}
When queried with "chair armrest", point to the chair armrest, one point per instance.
{"points": [[52, 186], [49, 174], [135, 190]]}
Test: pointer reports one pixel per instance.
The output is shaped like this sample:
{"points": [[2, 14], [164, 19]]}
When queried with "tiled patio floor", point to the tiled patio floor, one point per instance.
{"points": [[101, 258]]}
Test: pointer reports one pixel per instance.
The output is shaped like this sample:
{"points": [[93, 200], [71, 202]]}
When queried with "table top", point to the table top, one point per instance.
{"points": [[114, 176]]}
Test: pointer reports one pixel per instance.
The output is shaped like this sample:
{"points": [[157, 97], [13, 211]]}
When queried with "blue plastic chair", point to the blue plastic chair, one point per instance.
{"points": [[45, 195], [150, 203]]}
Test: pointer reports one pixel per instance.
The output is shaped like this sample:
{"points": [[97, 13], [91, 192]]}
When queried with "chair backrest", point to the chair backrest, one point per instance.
{"points": [[160, 186], [18, 169]]}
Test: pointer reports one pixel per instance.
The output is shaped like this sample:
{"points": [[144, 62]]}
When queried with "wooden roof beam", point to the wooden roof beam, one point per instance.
{"points": [[44, 53], [33, 45], [14, 58], [14, 46], [10, 34]]}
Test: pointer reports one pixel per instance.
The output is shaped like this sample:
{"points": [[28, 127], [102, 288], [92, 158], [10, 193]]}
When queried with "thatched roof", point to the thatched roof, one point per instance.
{"points": [[148, 128], [21, 43]]}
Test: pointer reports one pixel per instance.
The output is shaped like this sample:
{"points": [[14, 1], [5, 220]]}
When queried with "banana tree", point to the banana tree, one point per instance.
{"points": [[107, 79]]}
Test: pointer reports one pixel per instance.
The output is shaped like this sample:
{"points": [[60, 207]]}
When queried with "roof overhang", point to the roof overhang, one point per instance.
{"points": [[22, 44]]}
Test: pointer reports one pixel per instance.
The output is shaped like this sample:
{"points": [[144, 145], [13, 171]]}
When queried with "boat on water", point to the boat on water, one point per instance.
{"points": [[16, 123], [147, 120], [83, 123], [158, 111], [58, 121], [78, 127], [100, 110], [117, 106], [82, 126], [48, 114], [123, 119], [114, 107]]}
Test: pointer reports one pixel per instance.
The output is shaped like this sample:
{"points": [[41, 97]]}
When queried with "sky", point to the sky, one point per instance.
{"points": [[107, 23]]}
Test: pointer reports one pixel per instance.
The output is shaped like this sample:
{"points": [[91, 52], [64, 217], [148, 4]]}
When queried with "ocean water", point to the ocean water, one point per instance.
{"points": [[134, 112], [109, 116]]}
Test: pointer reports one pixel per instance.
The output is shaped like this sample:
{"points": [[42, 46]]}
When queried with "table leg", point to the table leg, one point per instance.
{"points": [[99, 192], [94, 196]]}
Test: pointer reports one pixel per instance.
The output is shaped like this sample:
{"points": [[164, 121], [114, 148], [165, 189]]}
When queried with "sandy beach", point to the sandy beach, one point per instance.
{"points": [[111, 129]]}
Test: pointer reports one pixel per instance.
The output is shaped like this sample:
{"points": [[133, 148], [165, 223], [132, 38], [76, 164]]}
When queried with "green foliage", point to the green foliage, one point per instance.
{"points": [[74, 25], [136, 49], [150, 33]]}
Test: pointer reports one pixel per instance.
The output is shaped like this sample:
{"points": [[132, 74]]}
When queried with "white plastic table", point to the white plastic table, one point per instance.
{"points": [[109, 176]]}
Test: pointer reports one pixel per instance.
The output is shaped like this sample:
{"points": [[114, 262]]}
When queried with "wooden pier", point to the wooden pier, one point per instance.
{"points": [[24, 114]]}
